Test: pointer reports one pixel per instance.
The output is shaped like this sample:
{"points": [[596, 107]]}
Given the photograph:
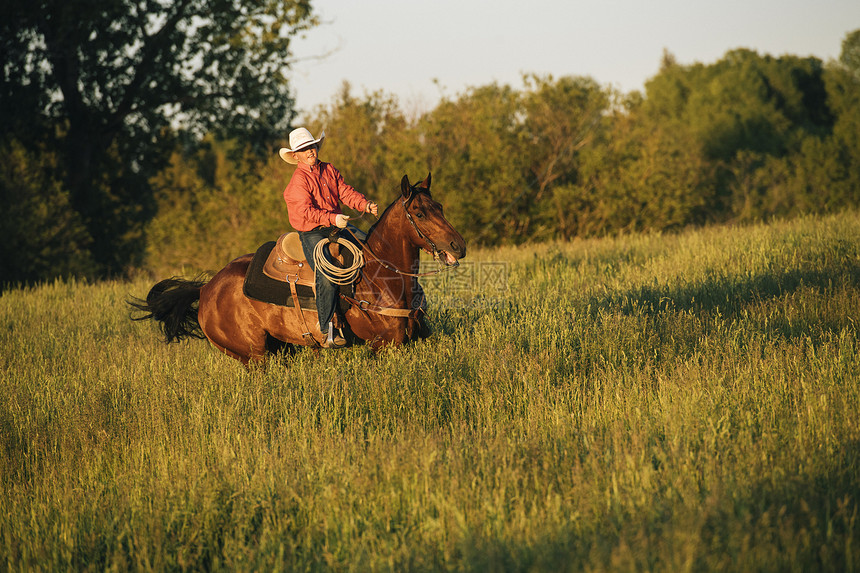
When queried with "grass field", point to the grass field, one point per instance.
{"points": [[646, 403]]}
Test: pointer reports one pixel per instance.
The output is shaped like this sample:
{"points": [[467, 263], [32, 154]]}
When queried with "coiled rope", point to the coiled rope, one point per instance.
{"points": [[334, 273]]}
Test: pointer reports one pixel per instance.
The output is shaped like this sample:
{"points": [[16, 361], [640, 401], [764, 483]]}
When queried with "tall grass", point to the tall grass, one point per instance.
{"points": [[669, 403]]}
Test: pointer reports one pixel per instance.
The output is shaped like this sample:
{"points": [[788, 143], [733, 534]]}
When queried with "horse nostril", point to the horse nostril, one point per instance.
{"points": [[455, 247]]}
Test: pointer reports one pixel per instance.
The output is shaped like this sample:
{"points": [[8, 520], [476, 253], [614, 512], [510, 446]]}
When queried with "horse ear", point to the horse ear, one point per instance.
{"points": [[426, 184], [405, 187]]}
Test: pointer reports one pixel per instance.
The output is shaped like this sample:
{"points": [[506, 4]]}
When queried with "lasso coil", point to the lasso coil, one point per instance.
{"points": [[334, 273]]}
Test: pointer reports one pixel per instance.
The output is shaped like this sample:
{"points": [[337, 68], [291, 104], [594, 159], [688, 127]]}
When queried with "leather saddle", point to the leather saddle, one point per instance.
{"points": [[286, 262]]}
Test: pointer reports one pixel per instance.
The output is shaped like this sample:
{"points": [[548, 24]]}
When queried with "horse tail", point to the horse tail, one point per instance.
{"points": [[173, 303]]}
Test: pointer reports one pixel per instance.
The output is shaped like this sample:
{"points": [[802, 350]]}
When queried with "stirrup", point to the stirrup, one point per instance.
{"points": [[334, 342]]}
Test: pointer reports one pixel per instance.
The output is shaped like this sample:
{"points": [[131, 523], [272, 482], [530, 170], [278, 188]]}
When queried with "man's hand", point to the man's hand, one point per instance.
{"points": [[372, 208], [341, 220]]}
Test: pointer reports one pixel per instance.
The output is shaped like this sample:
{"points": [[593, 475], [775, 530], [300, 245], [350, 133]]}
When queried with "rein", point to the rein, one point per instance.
{"points": [[354, 269], [367, 249]]}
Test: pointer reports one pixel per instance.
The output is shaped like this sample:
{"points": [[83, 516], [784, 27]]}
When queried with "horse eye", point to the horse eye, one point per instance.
{"points": [[419, 214]]}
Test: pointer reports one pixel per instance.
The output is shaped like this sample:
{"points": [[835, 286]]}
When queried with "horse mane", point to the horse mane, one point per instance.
{"points": [[413, 190], [373, 227]]}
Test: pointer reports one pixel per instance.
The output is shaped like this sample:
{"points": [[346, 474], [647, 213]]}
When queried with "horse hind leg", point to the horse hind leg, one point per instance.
{"points": [[241, 346], [271, 346], [244, 359]]}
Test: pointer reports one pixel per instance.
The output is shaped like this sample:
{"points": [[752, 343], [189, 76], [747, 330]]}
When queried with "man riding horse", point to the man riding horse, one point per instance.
{"points": [[313, 198], [386, 306]]}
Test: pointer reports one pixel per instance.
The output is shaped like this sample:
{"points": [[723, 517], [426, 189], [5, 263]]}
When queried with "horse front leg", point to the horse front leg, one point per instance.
{"points": [[377, 330]]}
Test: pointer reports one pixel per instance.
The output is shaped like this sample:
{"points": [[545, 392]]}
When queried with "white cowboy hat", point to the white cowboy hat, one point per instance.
{"points": [[299, 139]]}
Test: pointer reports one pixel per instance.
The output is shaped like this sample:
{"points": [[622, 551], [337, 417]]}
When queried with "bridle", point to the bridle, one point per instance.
{"points": [[435, 251], [366, 306], [417, 230]]}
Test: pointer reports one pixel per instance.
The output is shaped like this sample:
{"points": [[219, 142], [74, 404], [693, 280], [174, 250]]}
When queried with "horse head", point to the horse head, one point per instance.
{"points": [[430, 230]]}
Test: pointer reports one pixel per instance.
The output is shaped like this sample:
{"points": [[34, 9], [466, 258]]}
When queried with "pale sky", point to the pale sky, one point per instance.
{"points": [[400, 47]]}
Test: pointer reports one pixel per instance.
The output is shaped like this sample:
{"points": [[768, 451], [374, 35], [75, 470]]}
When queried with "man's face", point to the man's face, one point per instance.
{"points": [[308, 155]]}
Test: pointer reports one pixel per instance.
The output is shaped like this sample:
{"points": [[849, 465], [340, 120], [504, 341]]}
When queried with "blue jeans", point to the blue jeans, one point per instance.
{"points": [[327, 292]]}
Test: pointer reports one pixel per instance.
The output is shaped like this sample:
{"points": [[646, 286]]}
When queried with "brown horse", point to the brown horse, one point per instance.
{"points": [[381, 313]]}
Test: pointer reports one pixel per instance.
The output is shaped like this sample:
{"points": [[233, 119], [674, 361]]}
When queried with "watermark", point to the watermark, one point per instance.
{"points": [[484, 277], [474, 284]]}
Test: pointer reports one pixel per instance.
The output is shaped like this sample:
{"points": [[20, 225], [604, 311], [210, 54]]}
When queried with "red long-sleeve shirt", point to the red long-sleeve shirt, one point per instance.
{"points": [[314, 194]]}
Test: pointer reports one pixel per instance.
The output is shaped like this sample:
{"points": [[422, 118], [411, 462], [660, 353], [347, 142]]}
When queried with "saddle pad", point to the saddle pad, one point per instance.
{"points": [[260, 287]]}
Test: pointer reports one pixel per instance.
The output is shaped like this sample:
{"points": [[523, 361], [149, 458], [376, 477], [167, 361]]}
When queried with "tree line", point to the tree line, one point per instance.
{"points": [[96, 96], [743, 139]]}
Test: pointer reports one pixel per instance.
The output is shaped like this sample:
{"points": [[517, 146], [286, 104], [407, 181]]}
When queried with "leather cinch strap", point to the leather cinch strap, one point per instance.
{"points": [[307, 333], [383, 310]]}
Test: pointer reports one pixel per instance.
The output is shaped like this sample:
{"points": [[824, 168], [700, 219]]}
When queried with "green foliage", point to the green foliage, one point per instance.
{"points": [[745, 139], [370, 143], [43, 235], [849, 57], [827, 169], [214, 204], [762, 186], [647, 402], [112, 98], [473, 146], [102, 84], [649, 174], [743, 102], [562, 117], [753, 118]]}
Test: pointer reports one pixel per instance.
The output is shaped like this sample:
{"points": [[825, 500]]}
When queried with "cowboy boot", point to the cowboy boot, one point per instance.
{"points": [[333, 337]]}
